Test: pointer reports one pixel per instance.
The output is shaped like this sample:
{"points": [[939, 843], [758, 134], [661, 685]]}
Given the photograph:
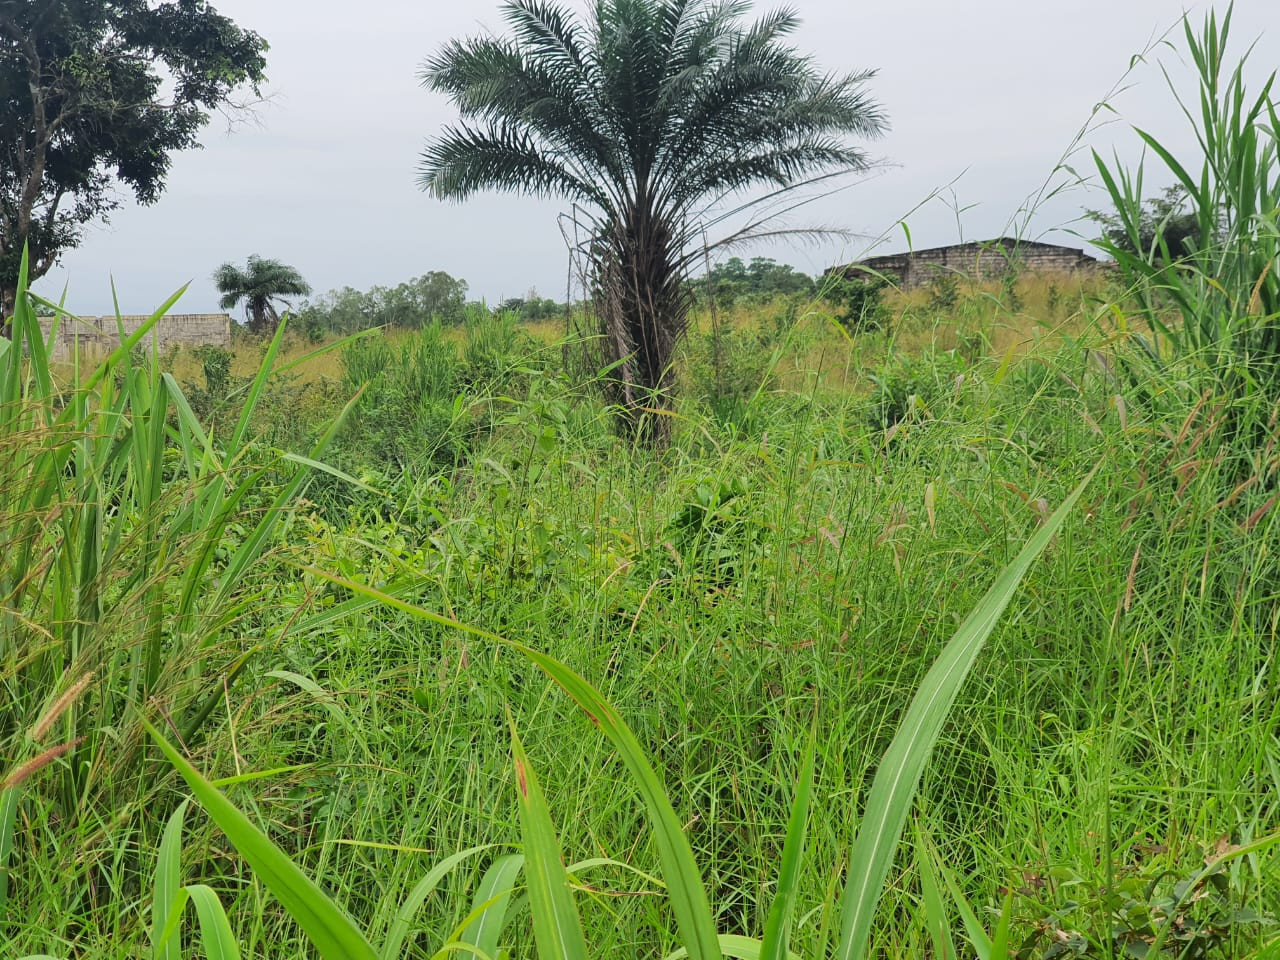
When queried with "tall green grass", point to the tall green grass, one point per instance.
{"points": [[780, 637], [132, 541], [1215, 304]]}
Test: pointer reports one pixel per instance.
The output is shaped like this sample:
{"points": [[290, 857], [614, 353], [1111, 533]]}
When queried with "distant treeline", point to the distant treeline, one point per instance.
{"points": [[437, 296]]}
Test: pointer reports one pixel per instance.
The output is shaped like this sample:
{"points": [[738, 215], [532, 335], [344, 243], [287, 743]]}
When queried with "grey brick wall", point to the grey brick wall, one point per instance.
{"points": [[175, 329], [989, 260]]}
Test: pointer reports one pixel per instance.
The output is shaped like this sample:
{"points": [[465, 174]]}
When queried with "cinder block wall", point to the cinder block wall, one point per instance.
{"points": [[989, 264], [176, 329]]}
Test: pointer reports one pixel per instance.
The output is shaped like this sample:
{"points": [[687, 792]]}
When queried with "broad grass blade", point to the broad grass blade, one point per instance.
{"points": [[168, 881], [334, 935], [894, 788], [483, 926], [215, 930], [1000, 939], [401, 925], [557, 928], [8, 818], [734, 946], [777, 930], [679, 869], [935, 912], [973, 928]]}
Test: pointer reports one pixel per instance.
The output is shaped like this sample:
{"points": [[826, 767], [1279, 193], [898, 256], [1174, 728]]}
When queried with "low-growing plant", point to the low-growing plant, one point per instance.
{"points": [[860, 301], [910, 386]]}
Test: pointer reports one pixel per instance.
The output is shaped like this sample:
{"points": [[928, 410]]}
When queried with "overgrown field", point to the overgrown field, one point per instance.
{"points": [[829, 511], [941, 627]]}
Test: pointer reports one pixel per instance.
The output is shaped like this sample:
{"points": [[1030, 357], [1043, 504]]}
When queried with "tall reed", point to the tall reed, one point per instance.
{"points": [[129, 544]]}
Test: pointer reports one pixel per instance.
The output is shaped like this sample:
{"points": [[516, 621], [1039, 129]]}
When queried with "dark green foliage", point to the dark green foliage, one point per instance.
{"points": [[259, 286], [95, 95], [860, 301], [911, 386], [1166, 222], [1191, 913], [1210, 295], [532, 307], [434, 296], [215, 363], [641, 116], [425, 402], [718, 533], [944, 290], [730, 367], [412, 410], [759, 281]]}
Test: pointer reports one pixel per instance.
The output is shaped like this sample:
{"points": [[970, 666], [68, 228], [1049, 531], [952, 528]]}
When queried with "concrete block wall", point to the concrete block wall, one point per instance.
{"points": [[990, 260], [173, 330]]}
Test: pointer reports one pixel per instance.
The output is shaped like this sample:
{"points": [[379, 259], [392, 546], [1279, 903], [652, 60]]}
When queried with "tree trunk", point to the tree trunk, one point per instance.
{"points": [[644, 308]]}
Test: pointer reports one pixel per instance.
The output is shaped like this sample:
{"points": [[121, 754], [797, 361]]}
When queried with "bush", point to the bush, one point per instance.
{"points": [[909, 386], [861, 302], [411, 411]]}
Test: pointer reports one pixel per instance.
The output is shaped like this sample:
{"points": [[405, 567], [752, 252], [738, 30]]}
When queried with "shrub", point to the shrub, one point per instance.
{"points": [[861, 302]]}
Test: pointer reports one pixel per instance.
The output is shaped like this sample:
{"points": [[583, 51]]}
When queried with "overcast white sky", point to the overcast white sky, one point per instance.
{"points": [[989, 91]]}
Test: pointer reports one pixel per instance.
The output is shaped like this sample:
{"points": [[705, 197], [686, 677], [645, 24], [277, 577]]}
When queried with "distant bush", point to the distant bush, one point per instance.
{"points": [[734, 282], [908, 387], [531, 307], [861, 302], [411, 410], [435, 296]]}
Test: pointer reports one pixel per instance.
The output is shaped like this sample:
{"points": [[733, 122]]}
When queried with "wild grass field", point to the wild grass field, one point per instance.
{"points": [[951, 635], [822, 523]]}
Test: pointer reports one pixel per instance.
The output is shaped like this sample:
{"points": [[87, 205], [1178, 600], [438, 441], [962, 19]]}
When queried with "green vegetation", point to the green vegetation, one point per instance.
{"points": [[955, 636], [433, 297], [761, 281], [259, 286], [644, 115]]}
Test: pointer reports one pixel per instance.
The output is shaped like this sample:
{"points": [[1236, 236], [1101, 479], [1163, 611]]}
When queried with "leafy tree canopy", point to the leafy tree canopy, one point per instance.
{"points": [[433, 296], [762, 279], [94, 96]]}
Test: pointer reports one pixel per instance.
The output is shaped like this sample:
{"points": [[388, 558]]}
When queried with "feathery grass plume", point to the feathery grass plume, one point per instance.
{"points": [[25, 771], [69, 696]]}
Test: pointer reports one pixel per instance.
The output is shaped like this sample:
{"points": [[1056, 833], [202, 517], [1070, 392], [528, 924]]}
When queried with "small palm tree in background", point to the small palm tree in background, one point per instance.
{"points": [[647, 115], [260, 285]]}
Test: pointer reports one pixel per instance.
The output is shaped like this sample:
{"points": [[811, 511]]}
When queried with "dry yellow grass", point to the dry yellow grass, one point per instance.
{"points": [[987, 319]]}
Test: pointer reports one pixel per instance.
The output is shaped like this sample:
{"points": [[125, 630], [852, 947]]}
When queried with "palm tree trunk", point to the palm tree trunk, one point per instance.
{"points": [[644, 308]]}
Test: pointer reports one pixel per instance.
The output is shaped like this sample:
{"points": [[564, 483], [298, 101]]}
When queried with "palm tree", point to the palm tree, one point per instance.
{"points": [[260, 285], [645, 115]]}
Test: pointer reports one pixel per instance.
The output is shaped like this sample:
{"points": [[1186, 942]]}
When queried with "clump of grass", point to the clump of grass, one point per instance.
{"points": [[131, 538]]}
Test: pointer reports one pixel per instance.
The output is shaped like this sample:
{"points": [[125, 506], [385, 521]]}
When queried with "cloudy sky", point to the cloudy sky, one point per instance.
{"points": [[984, 97]]}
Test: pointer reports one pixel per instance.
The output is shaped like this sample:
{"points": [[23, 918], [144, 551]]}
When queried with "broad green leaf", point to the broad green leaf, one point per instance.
{"points": [[215, 931], [557, 929], [168, 881], [679, 869], [8, 817], [1000, 939], [777, 930], [898, 775], [401, 925], [334, 935], [935, 913], [482, 928], [733, 946]]}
